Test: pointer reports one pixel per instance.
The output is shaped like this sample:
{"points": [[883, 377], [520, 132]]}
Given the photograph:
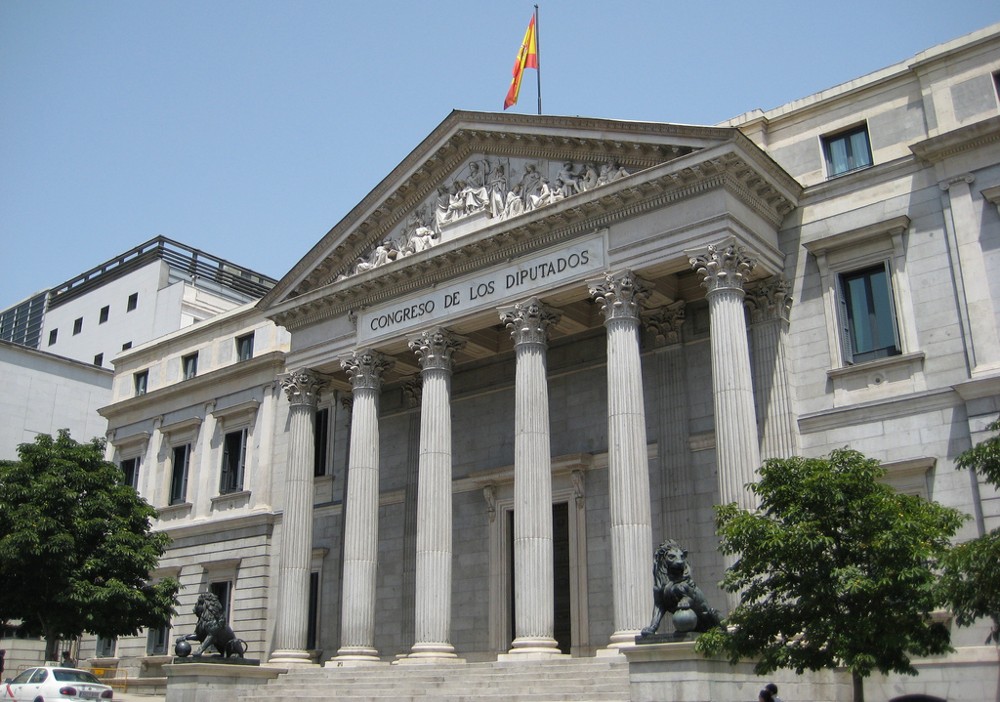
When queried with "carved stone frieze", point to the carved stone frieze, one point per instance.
{"points": [[486, 190]]}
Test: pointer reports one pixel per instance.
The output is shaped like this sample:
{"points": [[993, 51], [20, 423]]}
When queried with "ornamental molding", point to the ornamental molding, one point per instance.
{"points": [[435, 348], [621, 295], [303, 387], [769, 300], [529, 322], [366, 368], [957, 141], [724, 266]]}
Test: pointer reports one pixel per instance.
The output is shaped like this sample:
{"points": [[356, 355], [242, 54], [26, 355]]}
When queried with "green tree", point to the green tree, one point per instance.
{"points": [[76, 547], [834, 569], [971, 574]]}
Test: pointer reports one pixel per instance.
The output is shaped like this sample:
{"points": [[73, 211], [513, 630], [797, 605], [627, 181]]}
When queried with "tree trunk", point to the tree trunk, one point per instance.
{"points": [[51, 646], [859, 687]]}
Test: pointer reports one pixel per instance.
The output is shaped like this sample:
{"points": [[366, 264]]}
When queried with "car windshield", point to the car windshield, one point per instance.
{"points": [[67, 675]]}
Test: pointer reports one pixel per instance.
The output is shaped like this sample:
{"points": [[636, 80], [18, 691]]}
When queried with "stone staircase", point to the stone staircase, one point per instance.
{"points": [[571, 679]]}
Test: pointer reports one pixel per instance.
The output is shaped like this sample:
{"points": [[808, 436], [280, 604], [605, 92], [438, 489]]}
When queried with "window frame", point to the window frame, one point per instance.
{"points": [[189, 366], [158, 641], [227, 483], [244, 347], [99, 359], [140, 382], [77, 326], [179, 475], [104, 314], [106, 647], [851, 328], [828, 141], [133, 302], [53, 336], [136, 462]]}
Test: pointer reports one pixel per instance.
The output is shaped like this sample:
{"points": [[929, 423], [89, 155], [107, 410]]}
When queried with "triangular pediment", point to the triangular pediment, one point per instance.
{"points": [[484, 174]]}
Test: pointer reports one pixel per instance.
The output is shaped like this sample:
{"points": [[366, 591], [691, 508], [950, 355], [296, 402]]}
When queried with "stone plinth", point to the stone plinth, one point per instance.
{"points": [[208, 682]]}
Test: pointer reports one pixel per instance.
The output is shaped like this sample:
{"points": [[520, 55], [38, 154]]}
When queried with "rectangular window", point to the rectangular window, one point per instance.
{"points": [[244, 347], [222, 589], [234, 449], [157, 641], [320, 445], [99, 359], [847, 151], [53, 334], [126, 346], [133, 302], [106, 647], [141, 379], [77, 325], [190, 365], [179, 474], [130, 467], [868, 321], [104, 314]]}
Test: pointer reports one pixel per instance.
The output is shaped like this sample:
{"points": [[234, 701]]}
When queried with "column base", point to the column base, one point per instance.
{"points": [[291, 658], [430, 653], [527, 647], [353, 655], [619, 640]]}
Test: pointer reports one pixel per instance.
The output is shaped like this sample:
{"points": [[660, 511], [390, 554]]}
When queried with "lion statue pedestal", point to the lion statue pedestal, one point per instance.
{"points": [[212, 632], [675, 592]]}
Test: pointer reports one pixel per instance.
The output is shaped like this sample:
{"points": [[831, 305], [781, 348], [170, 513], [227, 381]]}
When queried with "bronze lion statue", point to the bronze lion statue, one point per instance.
{"points": [[211, 630], [673, 589]]}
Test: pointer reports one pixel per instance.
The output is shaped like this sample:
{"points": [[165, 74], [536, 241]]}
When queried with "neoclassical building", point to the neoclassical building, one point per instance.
{"points": [[457, 428]]}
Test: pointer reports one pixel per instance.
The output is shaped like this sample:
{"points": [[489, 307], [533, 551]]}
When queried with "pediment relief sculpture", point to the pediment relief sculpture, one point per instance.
{"points": [[484, 191]]}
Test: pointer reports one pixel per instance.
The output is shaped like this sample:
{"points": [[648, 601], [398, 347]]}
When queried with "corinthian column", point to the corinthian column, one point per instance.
{"points": [[725, 267], [534, 582], [357, 633], [432, 638], [620, 296], [302, 389], [769, 304]]}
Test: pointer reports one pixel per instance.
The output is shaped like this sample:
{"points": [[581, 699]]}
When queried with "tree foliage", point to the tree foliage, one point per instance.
{"points": [[834, 569], [76, 546], [971, 570]]}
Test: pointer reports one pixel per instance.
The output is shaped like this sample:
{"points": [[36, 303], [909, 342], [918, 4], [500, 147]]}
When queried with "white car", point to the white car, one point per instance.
{"points": [[55, 683]]}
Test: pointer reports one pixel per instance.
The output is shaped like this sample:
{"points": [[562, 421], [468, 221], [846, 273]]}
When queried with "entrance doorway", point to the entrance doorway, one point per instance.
{"points": [[562, 595]]}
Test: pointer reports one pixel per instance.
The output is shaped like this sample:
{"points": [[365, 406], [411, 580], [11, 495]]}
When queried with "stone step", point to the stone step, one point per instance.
{"points": [[565, 680]]}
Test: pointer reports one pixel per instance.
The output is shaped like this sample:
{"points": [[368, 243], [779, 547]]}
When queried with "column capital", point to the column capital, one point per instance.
{"points": [[769, 300], [366, 368], [529, 321], [303, 386], [966, 178], [435, 348], [412, 390], [620, 294], [665, 323], [724, 266]]}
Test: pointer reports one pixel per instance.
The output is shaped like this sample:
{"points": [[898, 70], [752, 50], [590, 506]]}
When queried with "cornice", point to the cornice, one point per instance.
{"points": [[959, 140], [201, 386], [723, 167]]}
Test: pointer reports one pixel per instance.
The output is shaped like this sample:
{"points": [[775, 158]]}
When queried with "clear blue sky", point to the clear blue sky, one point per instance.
{"points": [[248, 128]]}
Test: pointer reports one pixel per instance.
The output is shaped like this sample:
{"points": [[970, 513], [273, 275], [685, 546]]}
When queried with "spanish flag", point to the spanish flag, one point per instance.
{"points": [[527, 57]]}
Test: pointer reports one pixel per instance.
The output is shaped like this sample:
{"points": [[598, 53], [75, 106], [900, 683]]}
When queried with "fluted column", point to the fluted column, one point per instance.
{"points": [[534, 581], [357, 632], [769, 303], [620, 296], [724, 268], [674, 455], [302, 388], [434, 348]]}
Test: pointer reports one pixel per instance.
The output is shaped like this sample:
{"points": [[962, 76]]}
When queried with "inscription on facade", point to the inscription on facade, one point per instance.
{"points": [[489, 289]]}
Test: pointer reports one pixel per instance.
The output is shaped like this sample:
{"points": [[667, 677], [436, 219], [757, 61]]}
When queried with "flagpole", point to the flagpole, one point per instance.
{"points": [[538, 59]]}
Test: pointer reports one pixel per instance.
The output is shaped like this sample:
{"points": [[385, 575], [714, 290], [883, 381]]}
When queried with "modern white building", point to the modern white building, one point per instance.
{"points": [[544, 344]]}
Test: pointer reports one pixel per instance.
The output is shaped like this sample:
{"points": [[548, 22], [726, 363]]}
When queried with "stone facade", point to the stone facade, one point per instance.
{"points": [[608, 364]]}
